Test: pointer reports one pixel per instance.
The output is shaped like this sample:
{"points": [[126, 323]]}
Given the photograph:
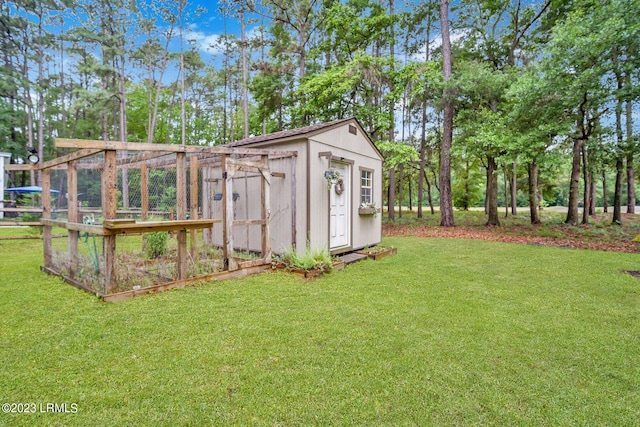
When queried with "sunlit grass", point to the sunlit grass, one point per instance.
{"points": [[447, 332]]}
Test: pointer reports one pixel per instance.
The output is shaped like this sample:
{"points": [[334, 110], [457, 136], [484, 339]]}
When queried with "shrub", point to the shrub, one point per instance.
{"points": [[156, 244], [310, 259]]}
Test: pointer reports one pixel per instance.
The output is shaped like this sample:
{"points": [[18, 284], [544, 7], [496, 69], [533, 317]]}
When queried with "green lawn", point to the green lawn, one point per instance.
{"points": [[447, 332]]}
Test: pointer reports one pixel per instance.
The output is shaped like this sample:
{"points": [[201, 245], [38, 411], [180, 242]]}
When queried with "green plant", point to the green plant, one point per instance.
{"points": [[311, 258], [156, 244]]}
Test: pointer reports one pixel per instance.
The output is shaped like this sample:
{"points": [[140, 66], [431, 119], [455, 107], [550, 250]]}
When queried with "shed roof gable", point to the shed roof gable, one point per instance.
{"points": [[304, 132]]}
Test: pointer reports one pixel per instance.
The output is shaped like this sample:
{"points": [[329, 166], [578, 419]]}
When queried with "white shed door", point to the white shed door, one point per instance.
{"points": [[340, 208]]}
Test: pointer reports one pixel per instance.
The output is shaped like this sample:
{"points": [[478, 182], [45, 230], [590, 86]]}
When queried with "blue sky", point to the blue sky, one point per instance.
{"points": [[210, 25]]}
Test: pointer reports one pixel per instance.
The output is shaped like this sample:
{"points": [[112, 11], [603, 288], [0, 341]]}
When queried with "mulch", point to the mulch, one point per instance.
{"points": [[499, 234]]}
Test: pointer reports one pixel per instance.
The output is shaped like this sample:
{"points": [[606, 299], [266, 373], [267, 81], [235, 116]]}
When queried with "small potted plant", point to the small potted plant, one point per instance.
{"points": [[368, 209]]}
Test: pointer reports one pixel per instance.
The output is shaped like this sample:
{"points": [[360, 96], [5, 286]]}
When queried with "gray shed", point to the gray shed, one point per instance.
{"points": [[332, 193]]}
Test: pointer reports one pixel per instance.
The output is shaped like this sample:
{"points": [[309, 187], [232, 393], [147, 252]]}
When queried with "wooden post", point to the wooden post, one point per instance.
{"points": [[181, 211], [293, 202], [227, 216], [46, 214], [144, 191], [72, 215], [207, 234], [265, 191], [110, 199], [193, 208]]}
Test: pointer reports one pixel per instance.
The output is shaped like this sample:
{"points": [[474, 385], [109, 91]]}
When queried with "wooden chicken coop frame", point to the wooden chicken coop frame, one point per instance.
{"points": [[183, 158]]}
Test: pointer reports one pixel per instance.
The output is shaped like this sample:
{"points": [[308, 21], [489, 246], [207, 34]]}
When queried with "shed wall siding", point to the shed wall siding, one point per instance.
{"points": [[366, 230], [312, 195]]}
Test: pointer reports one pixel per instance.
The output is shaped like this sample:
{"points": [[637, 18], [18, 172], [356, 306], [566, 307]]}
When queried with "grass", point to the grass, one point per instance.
{"points": [[447, 332]]}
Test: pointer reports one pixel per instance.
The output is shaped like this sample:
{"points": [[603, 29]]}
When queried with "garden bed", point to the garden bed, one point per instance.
{"points": [[378, 252], [310, 273]]}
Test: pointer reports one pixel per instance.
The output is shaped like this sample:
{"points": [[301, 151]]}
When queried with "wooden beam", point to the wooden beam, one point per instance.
{"points": [[265, 186], [181, 196], [110, 198], [20, 224], [115, 145], [193, 205], [70, 280], [92, 229], [241, 222], [143, 159], [144, 191], [113, 228], [170, 148], [32, 210], [69, 158], [293, 202], [72, 216], [46, 214], [16, 167], [227, 216], [111, 223], [223, 275], [245, 165]]}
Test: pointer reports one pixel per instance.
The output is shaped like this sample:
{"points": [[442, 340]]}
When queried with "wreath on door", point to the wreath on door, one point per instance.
{"points": [[339, 186]]}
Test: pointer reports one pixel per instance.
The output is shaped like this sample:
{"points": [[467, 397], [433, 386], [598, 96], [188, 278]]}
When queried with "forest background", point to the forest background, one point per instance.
{"points": [[512, 103]]}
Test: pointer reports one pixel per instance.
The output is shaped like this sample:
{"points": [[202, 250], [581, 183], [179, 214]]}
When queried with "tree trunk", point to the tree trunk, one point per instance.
{"points": [[505, 176], [400, 183], [514, 190], [533, 192], [423, 148], [593, 195], [422, 176], [410, 198], [392, 172], [122, 113], [391, 203], [29, 107], [617, 195], [574, 183], [586, 189], [429, 197], [446, 204], [492, 192], [465, 177], [245, 90], [631, 189], [605, 194], [41, 91]]}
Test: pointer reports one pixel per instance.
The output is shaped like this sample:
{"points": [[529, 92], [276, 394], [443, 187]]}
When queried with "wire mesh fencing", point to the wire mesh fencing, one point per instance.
{"points": [[172, 217]]}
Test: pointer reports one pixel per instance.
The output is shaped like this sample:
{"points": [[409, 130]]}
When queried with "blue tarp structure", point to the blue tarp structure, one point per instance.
{"points": [[28, 190]]}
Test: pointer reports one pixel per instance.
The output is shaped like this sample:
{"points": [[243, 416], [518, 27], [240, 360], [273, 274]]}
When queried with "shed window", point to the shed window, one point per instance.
{"points": [[366, 187]]}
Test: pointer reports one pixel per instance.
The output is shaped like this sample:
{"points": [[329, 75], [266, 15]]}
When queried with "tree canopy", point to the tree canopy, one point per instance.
{"points": [[519, 95]]}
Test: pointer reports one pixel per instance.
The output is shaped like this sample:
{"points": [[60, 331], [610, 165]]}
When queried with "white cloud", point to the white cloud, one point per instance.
{"points": [[206, 43], [436, 43], [212, 43]]}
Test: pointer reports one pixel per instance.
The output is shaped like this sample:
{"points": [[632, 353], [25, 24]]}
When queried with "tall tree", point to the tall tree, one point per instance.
{"points": [[446, 204]]}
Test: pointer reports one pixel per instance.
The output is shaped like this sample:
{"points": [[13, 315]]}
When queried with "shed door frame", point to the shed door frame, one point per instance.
{"points": [[340, 208]]}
